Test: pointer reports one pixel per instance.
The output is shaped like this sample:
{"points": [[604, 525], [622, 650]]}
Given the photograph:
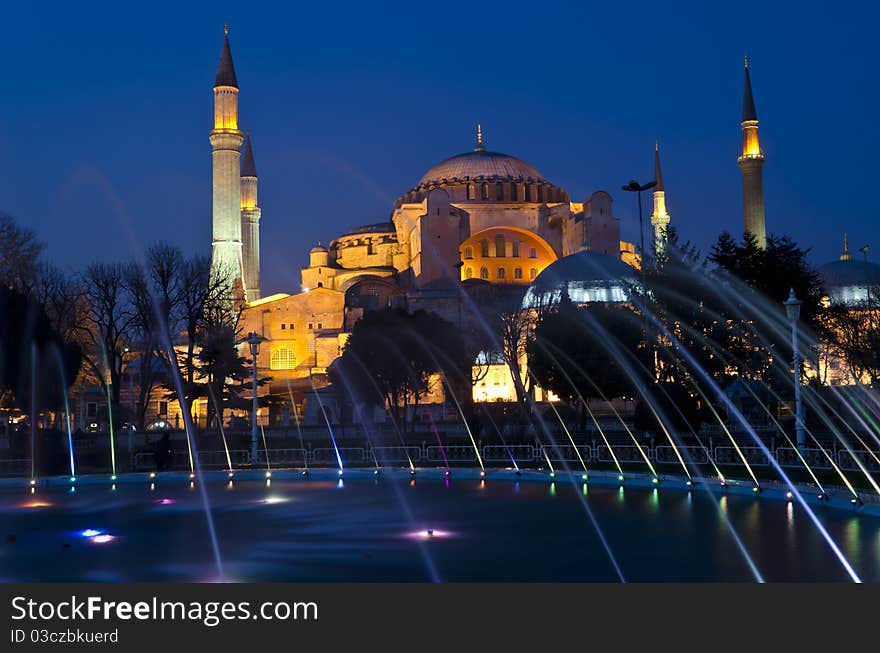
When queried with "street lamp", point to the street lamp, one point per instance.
{"points": [[864, 250], [793, 311], [634, 187], [253, 340]]}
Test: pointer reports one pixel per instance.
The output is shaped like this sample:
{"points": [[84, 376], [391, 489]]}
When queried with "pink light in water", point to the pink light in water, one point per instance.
{"points": [[165, 502], [102, 539], [429, 534]]}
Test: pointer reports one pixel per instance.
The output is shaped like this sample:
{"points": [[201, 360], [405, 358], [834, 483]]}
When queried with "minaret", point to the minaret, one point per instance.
{"points": [[659, 218], [250, 223], [479, 147], [226, 142], [751, 163], [847, 255]]}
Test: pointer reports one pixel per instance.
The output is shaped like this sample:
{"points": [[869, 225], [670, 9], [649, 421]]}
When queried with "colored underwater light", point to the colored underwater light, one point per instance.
{"points": [[788, 495], [268, 474], [620, 478], [73, 479], [113, 477], [152, 474], [230, 474], [688, 483], [37, 504], [341, 472], [375, 472], [165, 502], [655, 480], [33, 481], [756, 489], [192, 476], [482, 473], [90, 532], [583, 477], [102, 539]]}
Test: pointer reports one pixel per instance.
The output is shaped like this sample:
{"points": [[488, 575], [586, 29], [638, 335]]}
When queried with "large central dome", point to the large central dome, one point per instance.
{"points": [[483, 176], [481, 165]]}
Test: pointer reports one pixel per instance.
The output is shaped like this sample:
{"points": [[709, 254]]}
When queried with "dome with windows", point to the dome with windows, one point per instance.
{"points": [[486, 176], [848, 280], [586, 277]]}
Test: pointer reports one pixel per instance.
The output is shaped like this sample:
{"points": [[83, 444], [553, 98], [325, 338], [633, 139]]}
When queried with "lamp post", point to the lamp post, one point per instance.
{"points": [[864, 250], [457, 267], [793, 311], [634, 187], [253, 340]]}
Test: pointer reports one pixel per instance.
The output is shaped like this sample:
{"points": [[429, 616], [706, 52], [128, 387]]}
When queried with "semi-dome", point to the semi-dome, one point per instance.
{"points": [[586, 277]]}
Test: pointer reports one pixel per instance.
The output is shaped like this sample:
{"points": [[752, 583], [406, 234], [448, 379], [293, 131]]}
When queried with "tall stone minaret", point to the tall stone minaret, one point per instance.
{"points": [[659, 218], [250, 223], [226, 141], [751, 163]]}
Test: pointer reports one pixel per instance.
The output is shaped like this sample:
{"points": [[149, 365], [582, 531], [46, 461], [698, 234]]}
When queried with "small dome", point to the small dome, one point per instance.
{"points": [[319, 248], [480, 164], [586, 276]]}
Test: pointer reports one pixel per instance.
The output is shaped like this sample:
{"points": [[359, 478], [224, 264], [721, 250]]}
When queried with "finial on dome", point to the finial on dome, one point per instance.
{"points": [[747, 60], [846, 256], [480, 147], [225, 30]]}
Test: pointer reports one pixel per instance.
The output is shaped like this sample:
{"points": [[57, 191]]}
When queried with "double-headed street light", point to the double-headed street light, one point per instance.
{"points": [[634, 187], [253, 340], [793, 311]]}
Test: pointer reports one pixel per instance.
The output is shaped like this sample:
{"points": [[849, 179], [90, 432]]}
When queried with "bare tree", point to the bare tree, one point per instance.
{"points": [[107, 323], [19, 255]]}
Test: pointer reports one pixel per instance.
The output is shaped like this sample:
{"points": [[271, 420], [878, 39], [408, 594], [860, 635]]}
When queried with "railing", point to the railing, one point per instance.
{"points": [[453, 453], [384, 455], [625, 453], [498, 453], [566, 453], [754, 456], [665, 453], [788, 457], [868, 460]]}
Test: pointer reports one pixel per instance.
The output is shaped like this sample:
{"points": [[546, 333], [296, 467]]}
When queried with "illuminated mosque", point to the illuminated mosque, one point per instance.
{"points": [[480, 218]]}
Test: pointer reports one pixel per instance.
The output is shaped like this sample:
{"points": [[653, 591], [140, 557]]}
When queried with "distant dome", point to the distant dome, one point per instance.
{"points": [[587, 277], [317, 248], [376, 228], [847, 281], [482, 165]]}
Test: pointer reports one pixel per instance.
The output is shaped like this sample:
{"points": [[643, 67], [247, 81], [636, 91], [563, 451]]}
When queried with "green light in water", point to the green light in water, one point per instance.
{"points": [[584, 489], [620, 478], [553, 489], [655, 480], [583, 477]]}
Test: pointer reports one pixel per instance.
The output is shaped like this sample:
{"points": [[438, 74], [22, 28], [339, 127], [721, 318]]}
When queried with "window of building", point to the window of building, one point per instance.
{"points": [[517, 273], [163, 408], [540, 193], [92, 409], [484, 248], [532, 273], [533, 253], [283, 326], [468, 273], [291, 326], [468, 252], [528, 192], [311, 326], [282, 359], [513, 192], [502, 274], [499, 191], [499, 246], [484, 191], [320, 326], [515, 252], [470, 191], [484, 273]]}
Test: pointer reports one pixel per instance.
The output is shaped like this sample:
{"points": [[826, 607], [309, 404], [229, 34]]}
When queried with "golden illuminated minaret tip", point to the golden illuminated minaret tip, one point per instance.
{"points": [[847, 255], [480, 147], [659, 218], [751, 164], [226, 140]]}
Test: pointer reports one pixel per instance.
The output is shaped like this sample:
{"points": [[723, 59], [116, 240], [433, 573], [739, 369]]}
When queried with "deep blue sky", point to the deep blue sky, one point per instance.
{"points": [[106, 111]]}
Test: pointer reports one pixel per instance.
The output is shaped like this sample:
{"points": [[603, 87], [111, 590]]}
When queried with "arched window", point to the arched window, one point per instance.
{"points": [[528, 192], [470, 191], [515, 246], [468, 252], [499, 246], [513, 193], [533, 253], [468, 273], [484, 248], [502, 274], [484, 273], [484, 191], [282, 359], [517, 273], [540, 193], [499, 191], [532, 273]]}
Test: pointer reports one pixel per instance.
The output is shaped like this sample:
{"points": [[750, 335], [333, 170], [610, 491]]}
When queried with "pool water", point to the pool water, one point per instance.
{"points": [[394, 529]]}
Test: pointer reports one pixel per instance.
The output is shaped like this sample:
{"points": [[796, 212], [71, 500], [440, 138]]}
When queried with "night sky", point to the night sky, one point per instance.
{"points": [[106, 112]]}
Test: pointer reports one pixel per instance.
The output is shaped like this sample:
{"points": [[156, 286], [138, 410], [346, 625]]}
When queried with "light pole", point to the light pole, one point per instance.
{"points": [[793, 310], [634, 187], [864, 250], [253, 340]]}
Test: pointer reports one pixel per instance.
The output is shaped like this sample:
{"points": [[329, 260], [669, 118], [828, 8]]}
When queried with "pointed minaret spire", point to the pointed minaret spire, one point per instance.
{"points": [[749, 112], [248, 167], [846, 256], [225, 69], [658, 173], [751, 164], [480, 147], [659, 218]]}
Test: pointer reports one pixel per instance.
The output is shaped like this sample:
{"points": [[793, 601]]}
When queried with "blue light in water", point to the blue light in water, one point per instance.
{"points": [[90, 532]]}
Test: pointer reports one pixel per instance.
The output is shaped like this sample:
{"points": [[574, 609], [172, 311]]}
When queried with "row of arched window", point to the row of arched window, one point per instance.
{"points": [[518, 192], [500, 249], [500, 274]]}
